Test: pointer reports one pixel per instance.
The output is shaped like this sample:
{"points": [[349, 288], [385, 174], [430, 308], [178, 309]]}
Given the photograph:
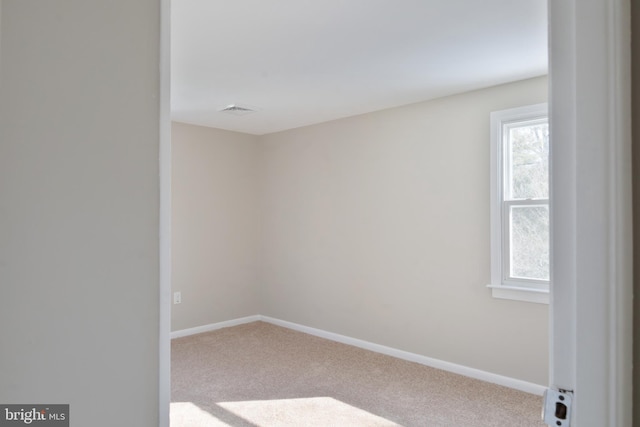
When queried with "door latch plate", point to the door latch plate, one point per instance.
{"points": [[556, 410]]}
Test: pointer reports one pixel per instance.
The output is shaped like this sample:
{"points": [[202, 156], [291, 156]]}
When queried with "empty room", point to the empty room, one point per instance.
{"points": [[335, 173], [323, 268]]}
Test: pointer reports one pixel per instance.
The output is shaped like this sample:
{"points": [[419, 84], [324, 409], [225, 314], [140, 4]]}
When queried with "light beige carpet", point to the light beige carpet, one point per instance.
{"points": [[263, 375]]}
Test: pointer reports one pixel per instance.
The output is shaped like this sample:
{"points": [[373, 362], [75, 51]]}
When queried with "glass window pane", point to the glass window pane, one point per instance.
{"points": [[529, 237], [528, 148]]}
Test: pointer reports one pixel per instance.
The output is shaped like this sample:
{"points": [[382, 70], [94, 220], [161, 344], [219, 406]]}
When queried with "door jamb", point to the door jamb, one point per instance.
{"points": [[591, 296], [164, 360]]}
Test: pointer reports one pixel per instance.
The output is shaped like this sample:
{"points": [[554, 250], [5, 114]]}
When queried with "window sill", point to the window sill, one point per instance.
{"points": [[540, 296]]}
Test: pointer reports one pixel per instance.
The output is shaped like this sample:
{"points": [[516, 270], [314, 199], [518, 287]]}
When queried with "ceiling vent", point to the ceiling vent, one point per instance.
{"points": [[237, 110]]}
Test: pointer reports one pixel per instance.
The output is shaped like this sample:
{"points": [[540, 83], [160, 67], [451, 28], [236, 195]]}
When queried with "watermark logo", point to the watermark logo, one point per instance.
{"points": [[34, 415]]}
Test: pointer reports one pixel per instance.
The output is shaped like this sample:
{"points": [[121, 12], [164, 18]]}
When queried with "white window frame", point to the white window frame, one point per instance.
{"points": [[502, 286]]}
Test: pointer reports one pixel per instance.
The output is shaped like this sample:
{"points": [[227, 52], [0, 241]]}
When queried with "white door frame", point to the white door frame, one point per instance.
{"points": [[591, 297], [591, 332], [164, 362]]}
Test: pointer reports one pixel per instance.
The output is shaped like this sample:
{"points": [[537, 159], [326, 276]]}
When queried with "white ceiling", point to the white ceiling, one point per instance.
{"points": [[301, 62]]}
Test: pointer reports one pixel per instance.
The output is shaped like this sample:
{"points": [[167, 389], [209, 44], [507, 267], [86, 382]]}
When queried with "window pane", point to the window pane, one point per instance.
{"points": [[529, 161], [529, 232]]}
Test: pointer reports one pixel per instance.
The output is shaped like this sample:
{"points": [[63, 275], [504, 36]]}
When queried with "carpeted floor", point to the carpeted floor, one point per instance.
{"points": [[258, 374]]}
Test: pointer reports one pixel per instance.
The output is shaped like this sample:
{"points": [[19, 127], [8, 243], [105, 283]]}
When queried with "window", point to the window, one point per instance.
{"points": [[520, 261]]}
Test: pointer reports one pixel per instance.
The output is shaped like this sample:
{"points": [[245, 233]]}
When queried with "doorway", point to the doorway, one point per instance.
{"points": [[571, 122]]}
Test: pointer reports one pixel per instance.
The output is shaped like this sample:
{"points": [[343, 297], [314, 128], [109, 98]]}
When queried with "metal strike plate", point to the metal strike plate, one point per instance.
{"points": [[556, 410]]}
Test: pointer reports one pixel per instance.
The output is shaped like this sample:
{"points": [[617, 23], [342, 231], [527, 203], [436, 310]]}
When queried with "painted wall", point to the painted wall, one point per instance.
{"points": [[377, 227], [215, 225], [79, 120]]}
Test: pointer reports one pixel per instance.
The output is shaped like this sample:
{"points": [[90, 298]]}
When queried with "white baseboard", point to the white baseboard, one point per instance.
{"points": [[214, 326], [412, 357], [389, 351]]}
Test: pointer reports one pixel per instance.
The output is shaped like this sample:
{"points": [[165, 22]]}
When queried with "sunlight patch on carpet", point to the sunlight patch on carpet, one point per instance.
{"points": [[189, 414], [310, 412]]}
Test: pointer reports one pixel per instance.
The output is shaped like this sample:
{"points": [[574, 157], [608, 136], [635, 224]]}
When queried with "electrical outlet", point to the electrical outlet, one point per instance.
{"points": [[177, 297]]}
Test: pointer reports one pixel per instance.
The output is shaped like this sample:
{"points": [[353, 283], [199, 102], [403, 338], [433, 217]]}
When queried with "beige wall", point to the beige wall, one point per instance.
{"points": [[377, 227], [79, 120], [374, 227], [215, 225]]}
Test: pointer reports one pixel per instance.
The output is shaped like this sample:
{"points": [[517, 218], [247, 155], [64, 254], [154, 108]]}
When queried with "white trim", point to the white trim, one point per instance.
{"points": [[620, 274], [621, 211], [164, 314], [518, 293], [412, 357], [592, 289], [389, 351], [501, 285], [214, 326]]}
